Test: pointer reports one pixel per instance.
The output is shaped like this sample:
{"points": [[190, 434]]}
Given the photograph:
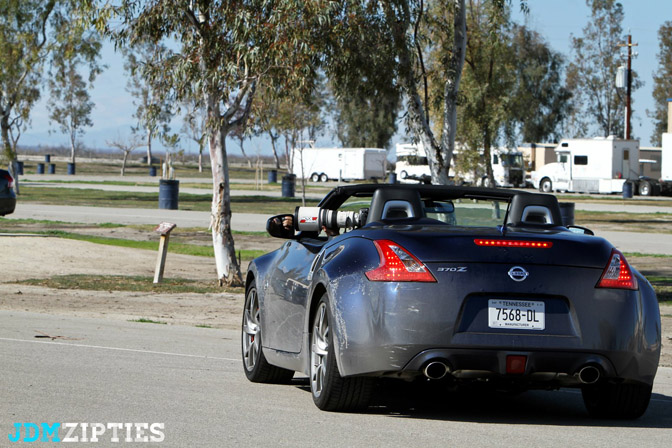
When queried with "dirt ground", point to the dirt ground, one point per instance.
{"points": [[26, 257], [43, 257]]}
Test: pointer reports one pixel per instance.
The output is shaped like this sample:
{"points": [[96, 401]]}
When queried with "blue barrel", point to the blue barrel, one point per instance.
{"points": [[19, 168], [567, 213], [47, 158], [40, 168], [52, 168], [392, 178], [169, 190], [71, 168], [152, 171], [288, 182], [273, 177], [627, 190]]}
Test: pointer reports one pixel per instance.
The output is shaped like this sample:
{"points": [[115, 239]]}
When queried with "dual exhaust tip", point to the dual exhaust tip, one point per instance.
{"points": [[590, 374], [436, 370]]}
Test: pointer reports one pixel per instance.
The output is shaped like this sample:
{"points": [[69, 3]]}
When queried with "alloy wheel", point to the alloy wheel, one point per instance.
{"points": [[319, 350], [251, 330]]}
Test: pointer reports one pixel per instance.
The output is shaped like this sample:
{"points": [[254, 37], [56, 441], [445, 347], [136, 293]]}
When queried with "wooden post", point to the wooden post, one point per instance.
{"points": [[164, 229]]}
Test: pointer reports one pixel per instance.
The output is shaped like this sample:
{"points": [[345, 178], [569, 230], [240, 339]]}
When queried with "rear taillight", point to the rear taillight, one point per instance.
{"points": [[398, 265], [617, 274], [10, 180]]}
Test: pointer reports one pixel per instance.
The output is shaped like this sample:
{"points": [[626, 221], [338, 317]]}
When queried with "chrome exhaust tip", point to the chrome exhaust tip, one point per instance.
{"points": [[436, 370], [589, 375]]}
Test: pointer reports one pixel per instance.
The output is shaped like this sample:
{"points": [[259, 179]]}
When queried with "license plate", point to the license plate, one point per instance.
{"points": [[516, 314]]}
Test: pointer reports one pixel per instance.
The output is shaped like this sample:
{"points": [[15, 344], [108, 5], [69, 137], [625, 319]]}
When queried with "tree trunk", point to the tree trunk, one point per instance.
{"points": [[487, 155], [242, 149], [72, 149], [6, 143], [200, 159], [451, 89], [149, 147], [123, 163], [228, 269], [275, 150]]}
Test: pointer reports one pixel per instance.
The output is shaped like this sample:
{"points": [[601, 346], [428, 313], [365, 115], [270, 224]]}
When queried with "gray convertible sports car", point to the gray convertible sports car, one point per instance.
{"points": [[451, 284]]}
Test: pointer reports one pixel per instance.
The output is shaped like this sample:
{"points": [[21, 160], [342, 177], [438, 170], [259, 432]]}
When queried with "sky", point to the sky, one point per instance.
{"points": [[556, 20]]}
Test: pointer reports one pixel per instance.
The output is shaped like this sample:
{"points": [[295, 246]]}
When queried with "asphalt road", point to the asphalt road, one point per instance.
{"points": [[190, 379]]}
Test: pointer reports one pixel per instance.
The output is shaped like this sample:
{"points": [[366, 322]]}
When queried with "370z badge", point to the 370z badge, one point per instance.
{"points": [[453, 269]]}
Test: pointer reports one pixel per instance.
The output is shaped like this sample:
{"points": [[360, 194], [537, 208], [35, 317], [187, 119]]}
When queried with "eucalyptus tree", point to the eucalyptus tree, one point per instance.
{"points": [[226, 48], [662, 82], [362, 76], [153, 107], [411, 43], [592, 72], [26, 44], [77, 50], [405, 19], [540, 101]]}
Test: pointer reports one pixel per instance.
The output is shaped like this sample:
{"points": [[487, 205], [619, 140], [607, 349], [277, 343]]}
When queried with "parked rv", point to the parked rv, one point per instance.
{"points": [[323, 164], [507, 166], [597, 165]]}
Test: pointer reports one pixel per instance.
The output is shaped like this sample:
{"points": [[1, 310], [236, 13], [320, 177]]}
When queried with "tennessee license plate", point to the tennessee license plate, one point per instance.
{"points": [[516, 314]]}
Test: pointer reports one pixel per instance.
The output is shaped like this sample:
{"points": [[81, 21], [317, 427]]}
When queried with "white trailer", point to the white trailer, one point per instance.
{"points": [[323, 164], [597, 165], [666, 164], [507, 166]]}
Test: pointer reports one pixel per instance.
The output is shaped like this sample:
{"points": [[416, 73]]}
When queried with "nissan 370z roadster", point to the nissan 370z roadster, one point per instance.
{"points": [[465, 286]]}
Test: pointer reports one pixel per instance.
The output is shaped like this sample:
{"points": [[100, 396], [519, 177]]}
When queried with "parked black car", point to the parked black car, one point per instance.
{"points": [[7, 195]]}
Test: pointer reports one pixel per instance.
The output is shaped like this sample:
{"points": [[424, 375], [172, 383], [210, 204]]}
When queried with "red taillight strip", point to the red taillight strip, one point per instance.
{"points": [[514, 243]]}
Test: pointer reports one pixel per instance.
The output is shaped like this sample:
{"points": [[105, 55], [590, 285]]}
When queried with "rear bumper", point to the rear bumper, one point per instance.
{"points": [[395, 329], [7, 206], [561, 367]]}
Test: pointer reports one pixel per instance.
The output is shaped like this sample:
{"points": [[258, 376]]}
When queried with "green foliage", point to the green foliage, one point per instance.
{"points": [[487, 81], [592, 73], [662, 83], [362, 72], [70, 104], [25, 47], [539, 103]]}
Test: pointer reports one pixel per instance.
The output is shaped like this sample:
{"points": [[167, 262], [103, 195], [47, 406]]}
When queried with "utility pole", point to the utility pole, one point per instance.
{"points": [[628, 74]]}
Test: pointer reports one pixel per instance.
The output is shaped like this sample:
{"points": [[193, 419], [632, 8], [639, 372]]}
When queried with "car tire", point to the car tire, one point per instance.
{"points": [[330, 391], [256, 368], [315, 177], [619, 401], [645, 188], [324, 177], [403, 174], [546, 186]]}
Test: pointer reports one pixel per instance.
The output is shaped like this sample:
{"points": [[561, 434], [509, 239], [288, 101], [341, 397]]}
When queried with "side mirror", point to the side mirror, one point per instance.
{"points": [[275, 227], [580, 230]]}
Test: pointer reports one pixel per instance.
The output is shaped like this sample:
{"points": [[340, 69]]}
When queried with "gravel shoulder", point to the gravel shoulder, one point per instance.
{"points": [[43, 257]]}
